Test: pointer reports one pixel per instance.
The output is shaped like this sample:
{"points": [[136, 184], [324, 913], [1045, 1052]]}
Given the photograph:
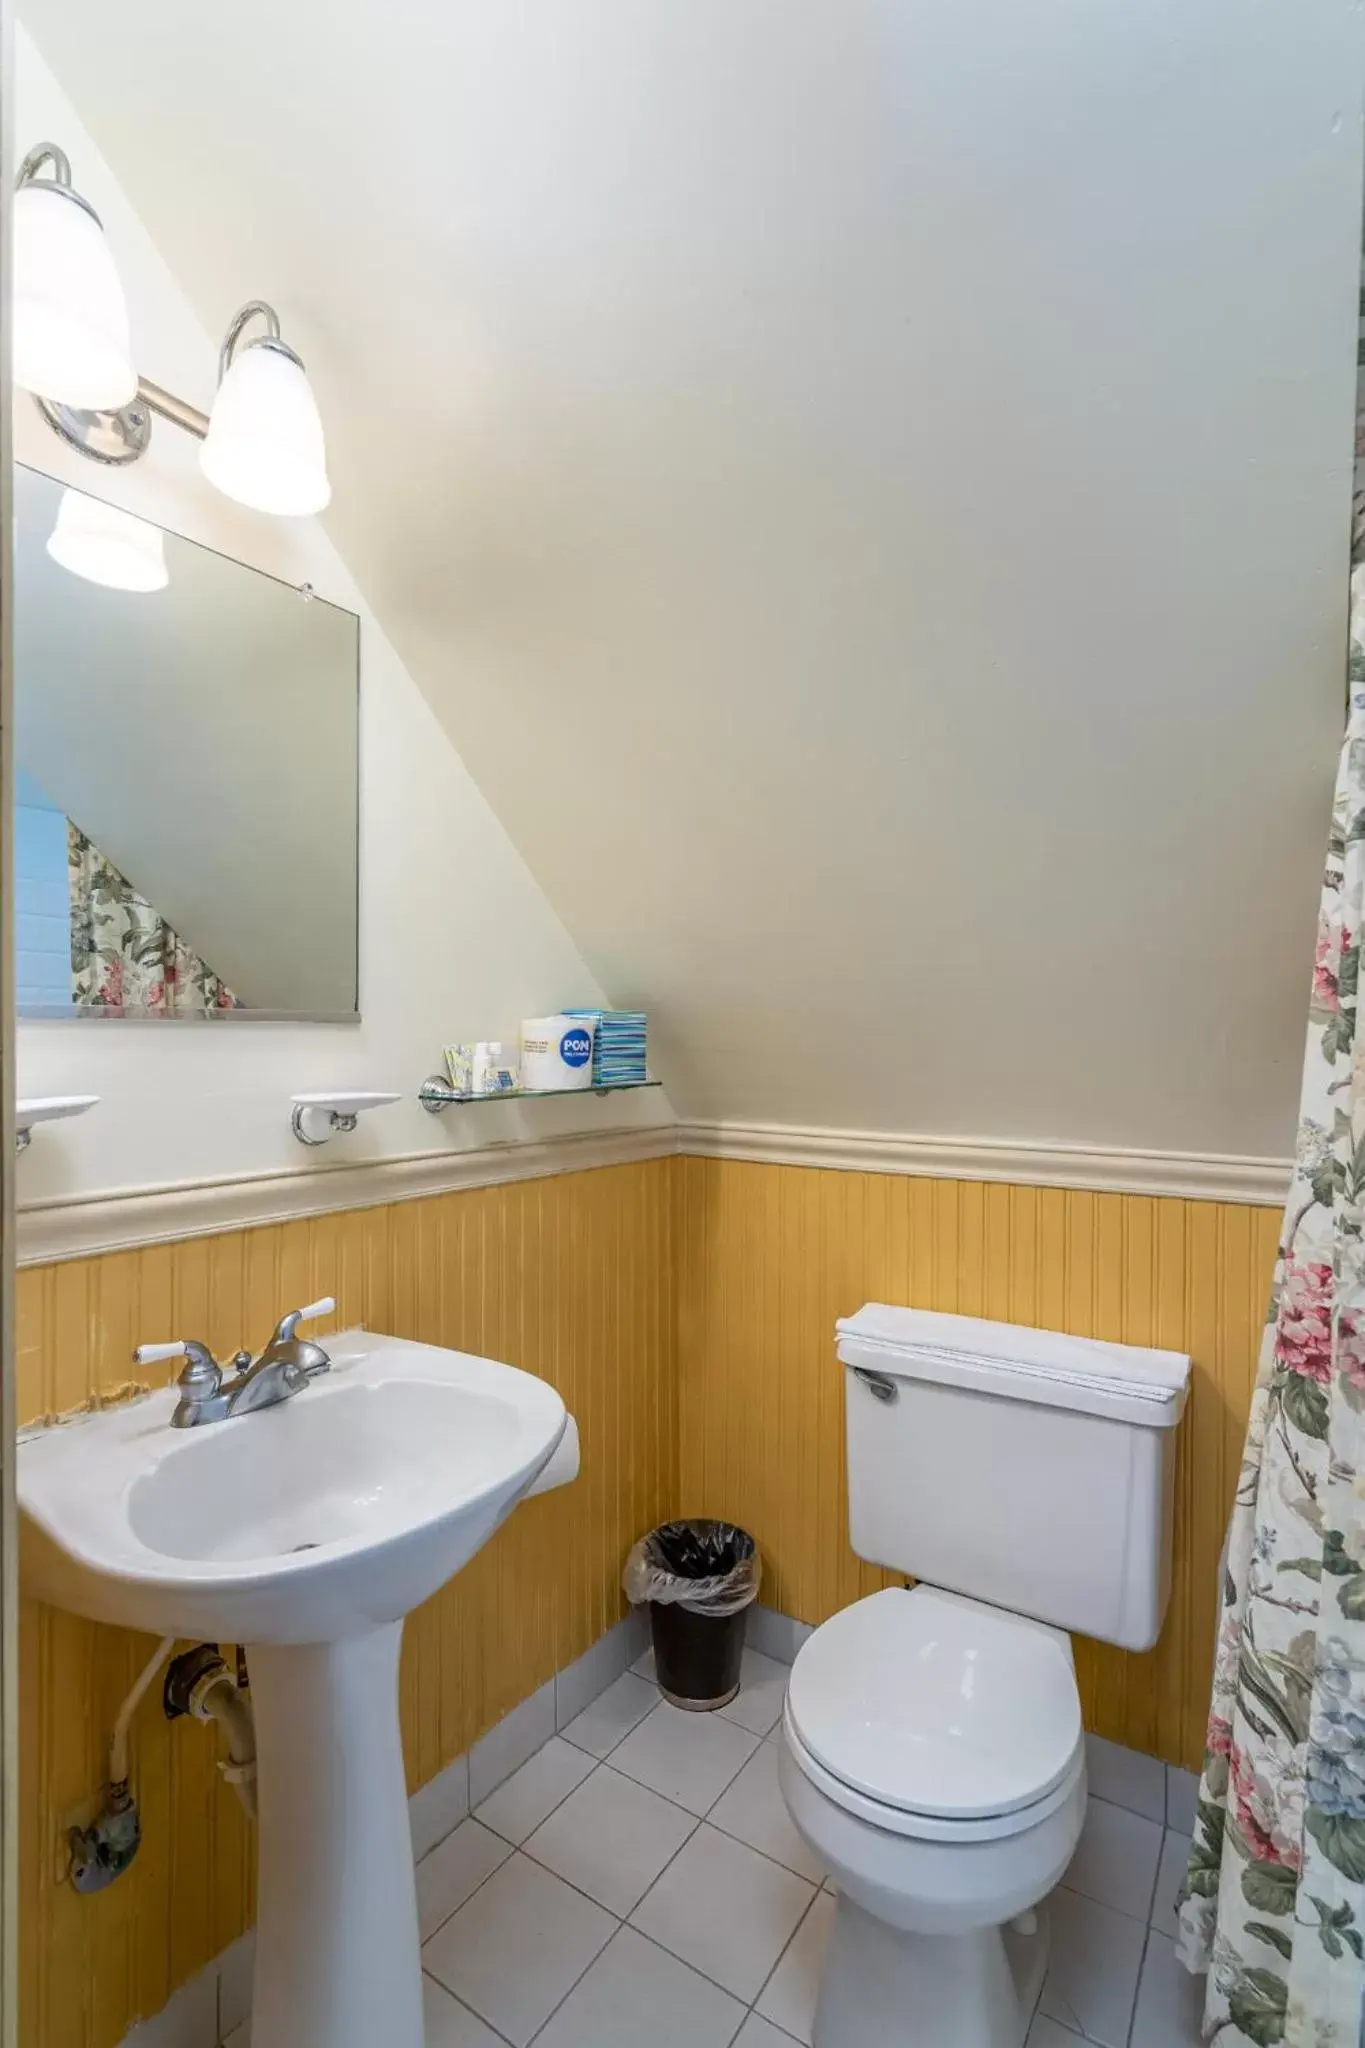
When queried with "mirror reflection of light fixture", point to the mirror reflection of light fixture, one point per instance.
{"points": [[263, 444], [107, 545], [71, 340]]}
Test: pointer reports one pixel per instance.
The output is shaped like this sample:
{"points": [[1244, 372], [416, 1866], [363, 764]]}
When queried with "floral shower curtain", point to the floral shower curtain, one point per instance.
{"points": [[124, 956], [1274, 1907]]}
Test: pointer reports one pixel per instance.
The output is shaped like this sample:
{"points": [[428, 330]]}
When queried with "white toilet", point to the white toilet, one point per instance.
{"points": [[933, 1755]]}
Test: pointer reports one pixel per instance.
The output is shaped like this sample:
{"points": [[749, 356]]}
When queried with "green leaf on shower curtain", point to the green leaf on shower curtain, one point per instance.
{"points": [[1336, 1930], [1257, 2005], [1341, 1840], [1206, 1850], [1254, 1684], [1305, 1404], [1336, 1558], [1351, 1597], [1280, 1685], [1355, 1174], [1276, 1936], [1269, 1887]]}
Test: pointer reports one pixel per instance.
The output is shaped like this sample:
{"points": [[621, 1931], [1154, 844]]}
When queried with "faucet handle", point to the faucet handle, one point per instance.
{"points": [[202, 1374], [286, 1327], [152, 1354]]}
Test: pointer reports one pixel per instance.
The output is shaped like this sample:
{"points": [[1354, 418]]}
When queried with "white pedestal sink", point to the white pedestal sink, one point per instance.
{"points": [[305, 1531]]}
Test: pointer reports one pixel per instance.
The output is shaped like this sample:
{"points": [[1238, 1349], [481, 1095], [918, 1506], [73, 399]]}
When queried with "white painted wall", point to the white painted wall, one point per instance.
{"points": [[456, 938], [864, 482]]}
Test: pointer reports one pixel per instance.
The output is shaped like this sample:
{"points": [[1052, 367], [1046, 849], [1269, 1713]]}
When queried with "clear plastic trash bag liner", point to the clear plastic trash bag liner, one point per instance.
{"points": [[703, 1566]]}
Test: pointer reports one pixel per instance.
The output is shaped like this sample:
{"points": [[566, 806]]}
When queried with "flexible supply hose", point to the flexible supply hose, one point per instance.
{"points": [[216, 1698], [118, 1741]]}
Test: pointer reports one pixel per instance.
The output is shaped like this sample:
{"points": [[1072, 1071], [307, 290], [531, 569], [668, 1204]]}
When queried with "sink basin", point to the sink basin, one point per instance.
{"points": [[338, 1510], [305, 1532]]}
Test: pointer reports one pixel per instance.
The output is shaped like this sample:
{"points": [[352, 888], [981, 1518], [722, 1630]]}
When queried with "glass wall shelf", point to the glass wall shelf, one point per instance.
{"points": [[437, 1095]]}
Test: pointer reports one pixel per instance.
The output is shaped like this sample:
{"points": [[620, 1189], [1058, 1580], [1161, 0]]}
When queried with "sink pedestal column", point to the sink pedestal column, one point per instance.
{"points": [[338, 1958]]}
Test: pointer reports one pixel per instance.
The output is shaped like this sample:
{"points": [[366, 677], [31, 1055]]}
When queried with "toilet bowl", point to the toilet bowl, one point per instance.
{"points": [[933, 1758]]}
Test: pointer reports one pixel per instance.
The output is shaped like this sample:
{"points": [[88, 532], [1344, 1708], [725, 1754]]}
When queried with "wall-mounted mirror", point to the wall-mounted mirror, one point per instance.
{"points": [[186, 808]]}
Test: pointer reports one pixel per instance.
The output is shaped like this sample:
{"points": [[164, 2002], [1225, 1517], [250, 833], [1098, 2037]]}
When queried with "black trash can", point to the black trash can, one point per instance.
{"points": [[698, 1579]]}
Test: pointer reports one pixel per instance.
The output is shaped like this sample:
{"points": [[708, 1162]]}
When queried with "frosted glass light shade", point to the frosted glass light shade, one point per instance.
{"points": [[71, 340], [265, 445], [106, 545]]}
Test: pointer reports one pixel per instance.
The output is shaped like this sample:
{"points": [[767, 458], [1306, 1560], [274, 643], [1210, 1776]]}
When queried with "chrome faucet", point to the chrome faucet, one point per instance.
{"points": [[283, 1369]]}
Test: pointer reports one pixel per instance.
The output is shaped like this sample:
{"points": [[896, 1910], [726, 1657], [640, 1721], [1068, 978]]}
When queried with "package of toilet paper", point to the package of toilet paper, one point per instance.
{"points": [[556, 1052]]}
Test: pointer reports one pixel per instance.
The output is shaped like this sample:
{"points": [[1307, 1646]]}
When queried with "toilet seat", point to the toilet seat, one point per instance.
{"points": [[937, 1716], [927, 1827]]}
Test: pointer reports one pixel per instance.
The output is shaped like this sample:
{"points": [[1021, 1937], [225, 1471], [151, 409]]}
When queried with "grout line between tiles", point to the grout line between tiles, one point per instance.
{"points": [[629, 1920], [1136, 1918], [525, 1850], [577, 1980], [639, 1931], [785, 1946], [620, 1738], [477, 1887], [596, 1766], [464, 1901], [1137, 1991], [1156, 1880], [776, 1861], [465, 2006]]}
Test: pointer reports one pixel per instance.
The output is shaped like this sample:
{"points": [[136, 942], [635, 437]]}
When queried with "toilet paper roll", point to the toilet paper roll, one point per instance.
{"points": [[556, 1053]]}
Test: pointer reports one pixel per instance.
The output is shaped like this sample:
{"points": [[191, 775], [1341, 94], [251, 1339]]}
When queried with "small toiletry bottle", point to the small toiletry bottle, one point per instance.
{"points": [[495, 1067]]}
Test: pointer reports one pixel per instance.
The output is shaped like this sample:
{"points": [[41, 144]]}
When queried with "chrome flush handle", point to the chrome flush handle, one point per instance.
{"points": [[878, 1383]]}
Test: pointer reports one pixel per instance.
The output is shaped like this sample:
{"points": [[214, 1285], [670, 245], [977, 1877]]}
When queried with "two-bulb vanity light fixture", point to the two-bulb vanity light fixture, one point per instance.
{"points": [[262, 443]]}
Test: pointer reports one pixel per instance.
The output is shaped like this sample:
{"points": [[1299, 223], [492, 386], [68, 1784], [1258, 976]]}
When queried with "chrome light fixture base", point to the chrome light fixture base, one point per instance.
{"points": [[113, 438]]}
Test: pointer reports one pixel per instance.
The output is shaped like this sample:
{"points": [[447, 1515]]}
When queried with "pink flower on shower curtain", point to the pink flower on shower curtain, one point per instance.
{"points": [[1327, 965], [1303, 1335]]}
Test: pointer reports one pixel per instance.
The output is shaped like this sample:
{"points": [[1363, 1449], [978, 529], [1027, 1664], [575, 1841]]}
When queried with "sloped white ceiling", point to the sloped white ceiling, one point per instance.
{"points": [[864, 484]]}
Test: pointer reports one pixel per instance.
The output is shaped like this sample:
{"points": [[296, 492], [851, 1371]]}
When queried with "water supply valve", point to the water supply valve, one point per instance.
{"points": [[103, 1851]]}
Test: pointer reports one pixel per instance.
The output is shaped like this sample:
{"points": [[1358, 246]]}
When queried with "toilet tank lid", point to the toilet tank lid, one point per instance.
{"points": [[1124, 1382]]}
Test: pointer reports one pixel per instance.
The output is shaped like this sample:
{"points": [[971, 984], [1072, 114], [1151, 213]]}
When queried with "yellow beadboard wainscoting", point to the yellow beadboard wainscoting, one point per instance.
{"points": [[684, 1307], [569, 1276], [769, 1256]]}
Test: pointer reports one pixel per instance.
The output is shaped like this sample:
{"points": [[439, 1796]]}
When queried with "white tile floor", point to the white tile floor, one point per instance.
{"points": [[638, 1884]]}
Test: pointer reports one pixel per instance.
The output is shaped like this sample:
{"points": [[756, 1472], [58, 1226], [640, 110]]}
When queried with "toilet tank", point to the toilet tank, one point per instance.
{"points": [[1028, 1469]]}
